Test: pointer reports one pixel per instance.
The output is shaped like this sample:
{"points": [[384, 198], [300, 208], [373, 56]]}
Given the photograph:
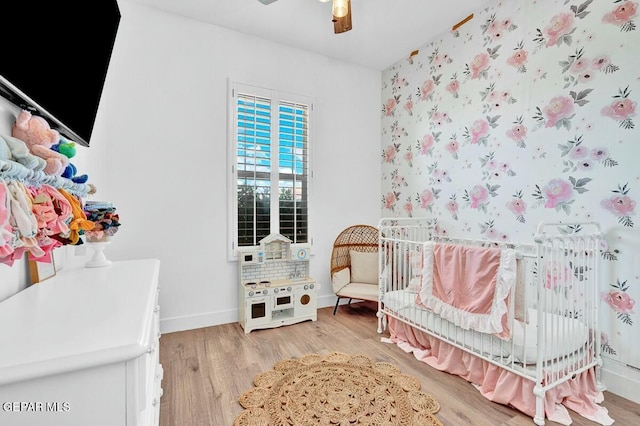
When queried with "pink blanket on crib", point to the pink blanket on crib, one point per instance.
{"points": [[469, 286]]}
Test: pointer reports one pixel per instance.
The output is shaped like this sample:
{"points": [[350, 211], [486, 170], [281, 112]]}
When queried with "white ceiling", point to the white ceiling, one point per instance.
{"points": [[384, 31]]}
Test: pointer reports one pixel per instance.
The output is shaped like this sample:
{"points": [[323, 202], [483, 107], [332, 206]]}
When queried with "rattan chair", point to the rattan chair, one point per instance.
{"points": [[359, 238]]}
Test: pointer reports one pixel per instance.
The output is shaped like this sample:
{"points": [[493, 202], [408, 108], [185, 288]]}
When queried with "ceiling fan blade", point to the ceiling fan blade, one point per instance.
{"points": [[342, 25], [266, 1]]}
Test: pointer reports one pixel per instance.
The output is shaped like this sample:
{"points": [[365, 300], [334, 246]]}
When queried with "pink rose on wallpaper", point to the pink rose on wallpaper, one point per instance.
{"points": [[560, 25], [452, 207], [452, 147], [517, 132], [408, 207], [426, 144], [623, 13], [579, 65], [478, 195], [440, 61], [408, 156], [398, 181], [578, 152], [585, 77], [517, 206], [559, 108], [397, 132], [390, 153], [619, 301], [399, 83], [620, 205], [599, 154], [479, 64], [440, 176], [479, 130], [408, 106], [600, 62], [491, 234], [557, 191], [494, 27], [390, 106], [620, 109], [390, 200], [453, 87], [426, 198], [427, 89], [518, 59], [439, 118]]}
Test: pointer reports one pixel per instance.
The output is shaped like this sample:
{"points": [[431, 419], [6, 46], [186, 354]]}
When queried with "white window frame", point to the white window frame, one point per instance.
{"points": [[232, 149]]}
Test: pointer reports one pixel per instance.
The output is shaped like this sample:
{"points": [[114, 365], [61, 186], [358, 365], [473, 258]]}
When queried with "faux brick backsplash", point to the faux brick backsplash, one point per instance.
{"points": [[274, 270]]}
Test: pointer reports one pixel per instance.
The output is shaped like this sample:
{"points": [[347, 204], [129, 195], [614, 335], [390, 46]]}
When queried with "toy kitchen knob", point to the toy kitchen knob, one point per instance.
{"points": [[275, 290], [289, 288], [306, 286], [311, 286], [251, 293], [265, 291]]}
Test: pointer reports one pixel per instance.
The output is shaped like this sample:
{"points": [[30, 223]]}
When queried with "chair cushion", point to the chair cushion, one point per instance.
{"points": [[360, 291], [364, 267]]}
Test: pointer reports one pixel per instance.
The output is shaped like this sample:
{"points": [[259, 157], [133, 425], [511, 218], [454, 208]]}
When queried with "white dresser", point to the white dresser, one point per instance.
{"points": [[82, 348]]}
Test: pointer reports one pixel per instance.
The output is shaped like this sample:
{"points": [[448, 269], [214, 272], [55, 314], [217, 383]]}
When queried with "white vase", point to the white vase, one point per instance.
{"points": [[98, 260]]}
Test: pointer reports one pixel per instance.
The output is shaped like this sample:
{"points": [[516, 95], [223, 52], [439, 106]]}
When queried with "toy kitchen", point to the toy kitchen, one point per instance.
{"points": [[275, 287]]}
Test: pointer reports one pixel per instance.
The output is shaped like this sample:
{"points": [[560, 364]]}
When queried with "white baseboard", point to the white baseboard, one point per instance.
{"points": [[208, 319], [621, 380], [190, 322]]}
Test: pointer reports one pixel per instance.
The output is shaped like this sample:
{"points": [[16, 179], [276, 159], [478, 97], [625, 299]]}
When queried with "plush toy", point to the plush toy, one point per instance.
{"points": [[40, 137], [68, 149]]}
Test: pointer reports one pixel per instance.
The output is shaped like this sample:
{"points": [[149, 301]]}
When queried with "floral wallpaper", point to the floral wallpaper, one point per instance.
{"points": [[526, 113]]}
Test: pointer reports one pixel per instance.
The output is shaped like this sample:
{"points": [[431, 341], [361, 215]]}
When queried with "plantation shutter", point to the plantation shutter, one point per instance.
{"points": [[293, 188], [254, 156]]}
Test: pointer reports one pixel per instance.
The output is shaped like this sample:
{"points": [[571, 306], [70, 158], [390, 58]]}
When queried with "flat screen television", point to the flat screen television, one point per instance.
{"points": [[55, 61]]}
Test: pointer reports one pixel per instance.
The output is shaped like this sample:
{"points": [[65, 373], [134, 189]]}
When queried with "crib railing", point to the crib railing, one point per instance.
{"points": [[568, 277]]}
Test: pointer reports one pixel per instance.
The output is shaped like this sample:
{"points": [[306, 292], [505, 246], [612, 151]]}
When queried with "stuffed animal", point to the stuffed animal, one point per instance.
{"points": [[68, 149], [40, 137]]}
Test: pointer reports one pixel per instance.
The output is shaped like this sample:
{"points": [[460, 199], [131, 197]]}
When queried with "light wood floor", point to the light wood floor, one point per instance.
{"points": [[207, 369]]}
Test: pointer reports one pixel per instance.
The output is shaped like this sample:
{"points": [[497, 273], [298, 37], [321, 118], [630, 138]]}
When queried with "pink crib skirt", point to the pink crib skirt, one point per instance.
{"points": [[501, 386]]}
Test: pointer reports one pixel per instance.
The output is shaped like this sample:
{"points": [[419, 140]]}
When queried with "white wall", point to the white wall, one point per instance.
{"points": [[165, 105]]}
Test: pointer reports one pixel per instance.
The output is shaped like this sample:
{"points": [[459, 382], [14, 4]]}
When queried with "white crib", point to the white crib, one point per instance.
{"points": [[550, 340]]}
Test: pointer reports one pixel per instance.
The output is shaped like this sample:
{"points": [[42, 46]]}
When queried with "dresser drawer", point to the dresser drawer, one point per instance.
{"points": [[149, 372]]}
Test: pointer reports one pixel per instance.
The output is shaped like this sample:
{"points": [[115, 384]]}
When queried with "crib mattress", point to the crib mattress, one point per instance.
{"points": [[564, 336]]}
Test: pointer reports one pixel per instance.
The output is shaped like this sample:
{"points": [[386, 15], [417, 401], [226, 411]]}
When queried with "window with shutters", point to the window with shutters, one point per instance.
{"points": [[269, 164]]}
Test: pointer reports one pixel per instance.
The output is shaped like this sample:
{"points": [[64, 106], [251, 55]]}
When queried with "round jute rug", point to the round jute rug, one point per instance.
{"points": [[336, 389]]}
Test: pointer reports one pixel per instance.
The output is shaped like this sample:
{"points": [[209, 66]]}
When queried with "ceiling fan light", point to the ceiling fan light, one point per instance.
{"points": [[340, 8], [324, 1]]}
